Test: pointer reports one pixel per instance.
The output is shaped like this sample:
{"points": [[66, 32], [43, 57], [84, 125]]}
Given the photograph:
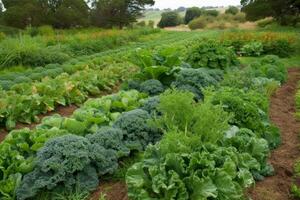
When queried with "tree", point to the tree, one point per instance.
{"points": [[109, 13], [213, 13], [22, 13], [285, 12], [232, 10], [169, 19], [66, 13], [192, 13]]}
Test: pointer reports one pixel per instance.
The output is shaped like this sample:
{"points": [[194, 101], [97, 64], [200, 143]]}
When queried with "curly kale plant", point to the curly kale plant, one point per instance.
{"points": [[152, 87], [67, 162], [110, 138], [138, 132], [194, 80], [150, 105]]}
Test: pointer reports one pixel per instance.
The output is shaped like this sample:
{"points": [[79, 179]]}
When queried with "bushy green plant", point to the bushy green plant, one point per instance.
{"points": [[194, 80], [138, 132], [152, 87], [174, 169], [249, 110], [211, 54], [198, 23], [270, 67], [265, 22], [281, 48], [232, 10], [252, 49], [169, 19]]}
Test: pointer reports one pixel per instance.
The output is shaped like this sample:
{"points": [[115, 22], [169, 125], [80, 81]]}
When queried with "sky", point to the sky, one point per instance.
{"points": [[189, 3]]}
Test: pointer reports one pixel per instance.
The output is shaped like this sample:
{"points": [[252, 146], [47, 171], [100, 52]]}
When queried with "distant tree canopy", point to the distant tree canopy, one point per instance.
{"points": [[65, 13], [232, 10], [169, 19], [286, 12], [109, 13], [192, 13], [72, 13]]}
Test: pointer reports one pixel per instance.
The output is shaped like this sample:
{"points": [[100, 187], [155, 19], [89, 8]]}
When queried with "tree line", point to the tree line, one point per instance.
{"points": [[71, 13]]}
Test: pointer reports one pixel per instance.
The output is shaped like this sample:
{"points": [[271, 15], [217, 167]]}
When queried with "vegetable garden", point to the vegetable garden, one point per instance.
{"points": [[190, 119]]}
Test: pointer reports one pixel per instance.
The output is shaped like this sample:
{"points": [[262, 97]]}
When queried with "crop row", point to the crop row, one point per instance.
{"points": [[88, 76], [34, 51], [8, 80], [219, 115]]}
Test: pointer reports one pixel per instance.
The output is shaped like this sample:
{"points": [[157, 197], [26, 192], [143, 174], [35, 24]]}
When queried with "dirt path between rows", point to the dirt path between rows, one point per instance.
{"points": [[282, 113]]}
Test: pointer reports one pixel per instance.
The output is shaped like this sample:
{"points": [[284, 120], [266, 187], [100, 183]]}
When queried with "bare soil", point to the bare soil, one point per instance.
{"points": [[111, 191], [282, 113]]}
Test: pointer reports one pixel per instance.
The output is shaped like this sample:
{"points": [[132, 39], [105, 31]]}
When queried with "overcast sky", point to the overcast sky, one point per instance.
{"points": [[189, 3]]}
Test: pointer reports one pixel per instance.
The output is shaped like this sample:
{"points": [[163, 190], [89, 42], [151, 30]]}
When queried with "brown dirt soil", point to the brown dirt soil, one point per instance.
{"points": [[111, 191], [282, 113]]}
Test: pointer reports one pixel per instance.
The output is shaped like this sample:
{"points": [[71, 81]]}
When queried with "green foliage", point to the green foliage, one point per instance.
{"points": [[213, 13], [181, 113], [270, 67], [169, 19], [138, 132], [249, 110], [232, 10], [110, 138], [192, 13], [174, 170], [285, 12], [194, 80], [199, 23], [252, 49], [265, 22], [281, 48], [152, 87], [110, 13], [18, 152], [65, 161], [27, 51], [211, 54]]}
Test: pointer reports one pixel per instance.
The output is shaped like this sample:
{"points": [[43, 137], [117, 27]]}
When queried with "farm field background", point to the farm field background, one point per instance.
{"points": [[146, 113]]}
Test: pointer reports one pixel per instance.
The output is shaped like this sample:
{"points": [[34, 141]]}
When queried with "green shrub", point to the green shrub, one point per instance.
{"points": [[141, 23], [169, 19], [240, 17], [192, 13], [281, 48], [252, 49], [28, 51], [198, 23], [232, 10], [265, 22], [151, 23], [213, 13], [46, 30], [211, 54], [2, 36]]}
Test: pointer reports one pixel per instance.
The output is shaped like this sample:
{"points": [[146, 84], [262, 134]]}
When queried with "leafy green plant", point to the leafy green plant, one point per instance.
{"points": [[211, 54], [252, 49]]}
